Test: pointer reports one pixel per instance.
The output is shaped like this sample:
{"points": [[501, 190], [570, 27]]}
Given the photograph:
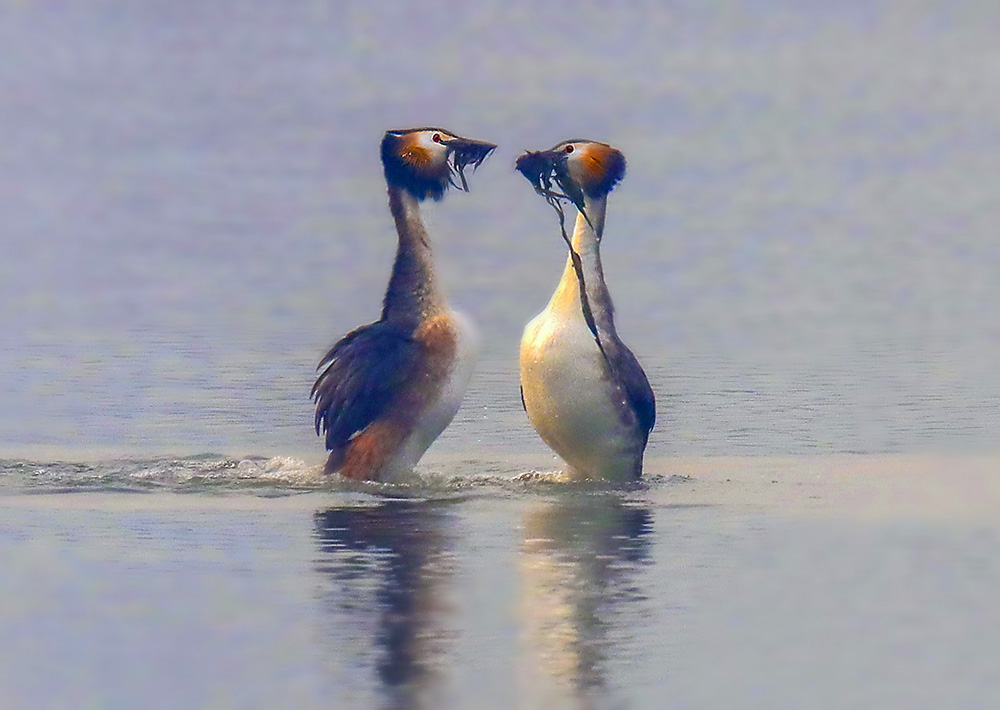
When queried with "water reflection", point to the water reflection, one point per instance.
{"points": [[389, 570], [578, 563]]}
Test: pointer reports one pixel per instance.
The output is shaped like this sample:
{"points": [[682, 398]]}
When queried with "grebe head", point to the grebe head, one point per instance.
{"points": [[579, 167], [425, 161]]}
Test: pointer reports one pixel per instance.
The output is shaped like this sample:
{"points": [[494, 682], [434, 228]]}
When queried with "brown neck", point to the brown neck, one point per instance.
{"points": [[413, 294]]}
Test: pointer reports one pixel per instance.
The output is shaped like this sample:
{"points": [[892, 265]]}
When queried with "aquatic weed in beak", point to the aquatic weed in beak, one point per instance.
{"points": [[463, 154], [542, 168]]}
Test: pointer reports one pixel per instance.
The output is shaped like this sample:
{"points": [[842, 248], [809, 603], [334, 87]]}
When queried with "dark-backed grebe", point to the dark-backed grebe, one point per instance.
{"points": [[388, 389]]}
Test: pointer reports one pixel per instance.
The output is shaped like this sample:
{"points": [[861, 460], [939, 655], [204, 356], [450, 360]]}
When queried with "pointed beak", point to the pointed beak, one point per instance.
{"points": [[468, 144], [466, 152]]}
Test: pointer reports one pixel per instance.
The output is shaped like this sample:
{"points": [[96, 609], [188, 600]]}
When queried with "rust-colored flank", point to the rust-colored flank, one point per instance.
{"points": [[370, 449], [373, 448], [438, 336]]}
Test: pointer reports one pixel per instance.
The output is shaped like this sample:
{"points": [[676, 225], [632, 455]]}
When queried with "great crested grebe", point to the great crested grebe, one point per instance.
{"points": [[583, 390], [388, 389]]}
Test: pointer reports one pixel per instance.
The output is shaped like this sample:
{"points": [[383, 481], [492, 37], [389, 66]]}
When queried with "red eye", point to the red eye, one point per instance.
{"points": [[568, 149], [436, 138]]}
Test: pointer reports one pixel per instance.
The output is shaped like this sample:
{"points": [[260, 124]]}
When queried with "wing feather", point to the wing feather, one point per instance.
{"points": [[637, 388], [359, 378]]}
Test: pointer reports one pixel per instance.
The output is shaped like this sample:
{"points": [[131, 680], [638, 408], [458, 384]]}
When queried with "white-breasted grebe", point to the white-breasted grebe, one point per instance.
{"points": [[582, 388], [388, 389]]}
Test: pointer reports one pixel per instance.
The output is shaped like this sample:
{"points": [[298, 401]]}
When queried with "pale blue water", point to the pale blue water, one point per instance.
{"points": [[804, 256]]}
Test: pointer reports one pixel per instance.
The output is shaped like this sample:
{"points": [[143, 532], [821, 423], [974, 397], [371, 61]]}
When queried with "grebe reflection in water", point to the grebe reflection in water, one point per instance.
{"points": [[579, 559], [387, 565]]}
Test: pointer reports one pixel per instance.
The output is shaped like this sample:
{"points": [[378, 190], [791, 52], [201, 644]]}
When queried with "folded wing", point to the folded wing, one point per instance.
{"points": [[360, 377], [637, 389]]}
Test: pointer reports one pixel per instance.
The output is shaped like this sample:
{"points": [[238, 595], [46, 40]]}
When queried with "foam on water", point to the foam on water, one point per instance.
{"points": [[191, 473], [283, 475]]}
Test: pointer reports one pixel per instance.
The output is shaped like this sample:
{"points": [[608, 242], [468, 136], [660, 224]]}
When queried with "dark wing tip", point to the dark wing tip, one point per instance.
{"points": [[364, 373]]}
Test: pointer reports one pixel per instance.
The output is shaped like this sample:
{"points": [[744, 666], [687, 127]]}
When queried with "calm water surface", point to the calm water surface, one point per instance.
{"points": [[492, 593], [804, 256]]}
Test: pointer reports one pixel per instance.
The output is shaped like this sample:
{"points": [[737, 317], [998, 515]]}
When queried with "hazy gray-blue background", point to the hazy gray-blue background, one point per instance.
{"points": [[804, 253]]}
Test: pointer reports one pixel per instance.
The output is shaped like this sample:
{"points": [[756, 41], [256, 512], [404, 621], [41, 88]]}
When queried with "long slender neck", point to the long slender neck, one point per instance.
{"points": [[587, 243], [413, 293]]}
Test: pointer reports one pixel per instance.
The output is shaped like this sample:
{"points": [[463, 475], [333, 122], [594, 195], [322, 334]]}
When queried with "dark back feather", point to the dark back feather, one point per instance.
{"points": [[360, 377], [633, 380]]}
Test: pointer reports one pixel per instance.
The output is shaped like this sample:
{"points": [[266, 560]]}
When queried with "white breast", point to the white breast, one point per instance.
{"points": [[439, 413], [570, 399]]}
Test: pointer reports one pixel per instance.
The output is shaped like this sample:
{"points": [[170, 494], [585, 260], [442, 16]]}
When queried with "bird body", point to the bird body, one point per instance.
{"points": [[582, 388], [388, 389], [423, 383], [570, 395]]}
